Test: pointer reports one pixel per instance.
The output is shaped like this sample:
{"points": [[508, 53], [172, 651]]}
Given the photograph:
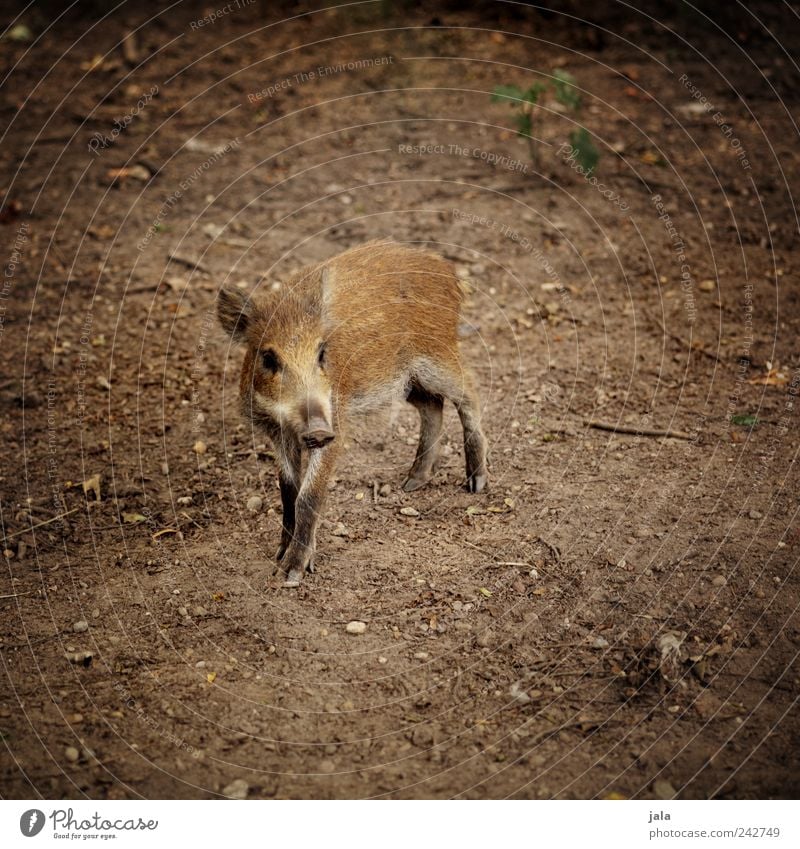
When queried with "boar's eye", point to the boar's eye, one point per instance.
{"points": [[270, 361], [321, 355]]}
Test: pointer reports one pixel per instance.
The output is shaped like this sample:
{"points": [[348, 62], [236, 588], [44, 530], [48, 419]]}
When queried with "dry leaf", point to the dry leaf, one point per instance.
{"points": [[92, 484], [774, 377], [133, 518]]}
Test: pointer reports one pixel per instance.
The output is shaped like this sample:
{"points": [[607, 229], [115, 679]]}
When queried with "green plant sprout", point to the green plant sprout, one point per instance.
{"points": [[525, 101]]}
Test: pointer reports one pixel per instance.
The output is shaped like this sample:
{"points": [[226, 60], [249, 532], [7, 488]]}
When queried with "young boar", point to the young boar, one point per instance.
{"points": [[340, 339]]}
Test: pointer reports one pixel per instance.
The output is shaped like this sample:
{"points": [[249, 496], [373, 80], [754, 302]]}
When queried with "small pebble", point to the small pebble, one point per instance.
{"points": [[600, 643], [200, 447], [409, 511], [484, 639], [663, 789], [71, 754], [385, 490], [356, 627], [421, 655], [237, 789], [340, 530], [719, 580], [518, 694], [254, 503], [706, 285], [80, 627], [755, 514], [182, 611], [327, 767]]}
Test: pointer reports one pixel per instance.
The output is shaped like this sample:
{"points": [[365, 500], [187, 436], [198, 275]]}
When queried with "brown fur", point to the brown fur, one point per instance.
{"points": [[339, 339]]}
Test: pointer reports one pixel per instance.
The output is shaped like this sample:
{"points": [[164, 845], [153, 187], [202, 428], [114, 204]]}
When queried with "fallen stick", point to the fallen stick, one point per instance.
{"points": [[188, 262], [638, 431], [42, 524]]}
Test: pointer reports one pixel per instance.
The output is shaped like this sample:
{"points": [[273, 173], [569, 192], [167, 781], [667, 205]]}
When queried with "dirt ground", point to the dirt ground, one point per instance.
{"points": [[617, 616]]}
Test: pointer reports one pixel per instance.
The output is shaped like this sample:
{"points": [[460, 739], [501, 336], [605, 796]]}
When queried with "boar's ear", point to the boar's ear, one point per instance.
{"points": [[328, 277], [234, 310]]}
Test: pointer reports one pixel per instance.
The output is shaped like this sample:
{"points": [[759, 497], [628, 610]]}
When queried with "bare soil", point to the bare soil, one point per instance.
{"points": [[616, 616]]}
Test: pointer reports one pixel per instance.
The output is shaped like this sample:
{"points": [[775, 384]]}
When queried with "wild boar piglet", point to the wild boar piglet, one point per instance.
{"points": [[340, 339]]}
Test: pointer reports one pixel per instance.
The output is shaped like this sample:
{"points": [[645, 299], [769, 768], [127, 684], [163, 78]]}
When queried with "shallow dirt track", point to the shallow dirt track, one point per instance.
{"points": [[617, 616]]}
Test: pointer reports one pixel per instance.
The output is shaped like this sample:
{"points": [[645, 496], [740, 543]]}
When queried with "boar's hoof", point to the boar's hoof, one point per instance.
{"points": [[295, 575], [293, 579], [477, 483], [414, 483]]}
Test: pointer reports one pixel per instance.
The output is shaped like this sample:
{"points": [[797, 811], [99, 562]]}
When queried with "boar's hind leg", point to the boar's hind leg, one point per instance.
{"points": [[468, 406], [430, 431], [289, 480], [299, 556]]}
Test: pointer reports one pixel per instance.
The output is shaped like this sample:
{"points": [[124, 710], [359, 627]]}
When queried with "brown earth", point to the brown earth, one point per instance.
{"points": [[616, 615]]}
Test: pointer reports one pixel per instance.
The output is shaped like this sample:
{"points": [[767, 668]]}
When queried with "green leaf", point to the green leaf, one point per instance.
{"points": [[484, 592], [532, 94], [745, 421], [524, 124], [566, 92], [585, 151], [508, 92]]}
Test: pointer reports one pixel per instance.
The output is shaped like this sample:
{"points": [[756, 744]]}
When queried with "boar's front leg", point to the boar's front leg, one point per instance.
{"points": [[288, 456], [299, 556]]}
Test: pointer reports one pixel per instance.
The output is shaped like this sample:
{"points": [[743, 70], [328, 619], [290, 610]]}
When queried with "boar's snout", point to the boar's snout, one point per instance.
{"points": [[317, 434]]}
